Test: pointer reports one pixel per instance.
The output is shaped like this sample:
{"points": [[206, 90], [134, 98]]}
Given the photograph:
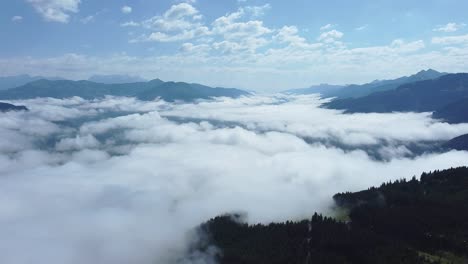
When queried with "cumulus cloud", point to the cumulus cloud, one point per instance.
{"points": [[55, 10], [117, 180], [190, 47], [361, 28], [238, 34], [126, 9], [87, 19], [232, 32], [330, 36], [180, 22], [17, 18], [289, 34], [130, 24], [326, 27], [258, 11], [451, 40], [450, 27]]}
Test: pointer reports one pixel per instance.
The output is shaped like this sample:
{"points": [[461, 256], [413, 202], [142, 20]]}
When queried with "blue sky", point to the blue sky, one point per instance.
{"points": [[266, 45]]}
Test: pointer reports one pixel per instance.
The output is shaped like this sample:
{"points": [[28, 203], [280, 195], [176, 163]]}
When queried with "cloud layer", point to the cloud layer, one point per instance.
{"points": [[123, 181], [55, 10]]}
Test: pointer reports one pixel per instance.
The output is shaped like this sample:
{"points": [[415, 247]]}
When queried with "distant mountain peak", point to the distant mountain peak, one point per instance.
{"points": [[428, 74], [429, 71]]}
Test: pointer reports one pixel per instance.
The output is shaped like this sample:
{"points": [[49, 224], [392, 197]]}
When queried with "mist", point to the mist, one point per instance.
{"points": [[117, 180]]}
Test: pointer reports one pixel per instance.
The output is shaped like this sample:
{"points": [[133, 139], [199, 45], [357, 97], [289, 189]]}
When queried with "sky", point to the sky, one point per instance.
{"points": [[263, 45]]}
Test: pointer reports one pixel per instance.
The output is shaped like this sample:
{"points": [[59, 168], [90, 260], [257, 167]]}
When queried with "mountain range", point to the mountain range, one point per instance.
{"points": [[169, 91], [445, 95], [361, 90], [9, 82]]}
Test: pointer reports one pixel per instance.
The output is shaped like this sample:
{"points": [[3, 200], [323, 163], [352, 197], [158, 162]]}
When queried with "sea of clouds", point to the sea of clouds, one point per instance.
{"points": [[118, 180]]}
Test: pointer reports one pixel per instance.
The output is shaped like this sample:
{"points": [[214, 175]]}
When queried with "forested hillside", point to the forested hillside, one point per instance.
{"points": [[416, 221]]}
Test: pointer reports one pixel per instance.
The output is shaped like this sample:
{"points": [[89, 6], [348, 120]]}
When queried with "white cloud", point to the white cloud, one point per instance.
{"points": [[238, 30], [404, 47], [247, 35], [130, 24], [258, 11], [87, 19], [179, 22], [450, 27], [190, 47], [451, 40], [180, 11], [185, 35], [330, 36], [17, 18], [289, 34], [55, 10], [228, 33], [326, 27], [77, 143], [363, 27], [126, 9], [132, 186]]}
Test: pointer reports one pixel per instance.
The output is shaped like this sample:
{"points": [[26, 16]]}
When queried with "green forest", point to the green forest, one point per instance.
{"points": [[415, 221]]}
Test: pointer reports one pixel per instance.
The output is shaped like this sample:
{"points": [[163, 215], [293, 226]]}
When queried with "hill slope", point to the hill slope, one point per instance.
{"points": [[401, 222], [356, 90], [429, 95], [5, 107], [458, 143], [456, 112]]}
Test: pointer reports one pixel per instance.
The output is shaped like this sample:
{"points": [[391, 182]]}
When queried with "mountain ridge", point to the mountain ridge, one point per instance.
{"points": [[456, 112], [8, 82], [419, 96], [361, 90], [170, 91]]}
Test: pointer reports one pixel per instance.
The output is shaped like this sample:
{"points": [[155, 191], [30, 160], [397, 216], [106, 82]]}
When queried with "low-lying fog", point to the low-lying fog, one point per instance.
{"points": [[124, 181]]}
